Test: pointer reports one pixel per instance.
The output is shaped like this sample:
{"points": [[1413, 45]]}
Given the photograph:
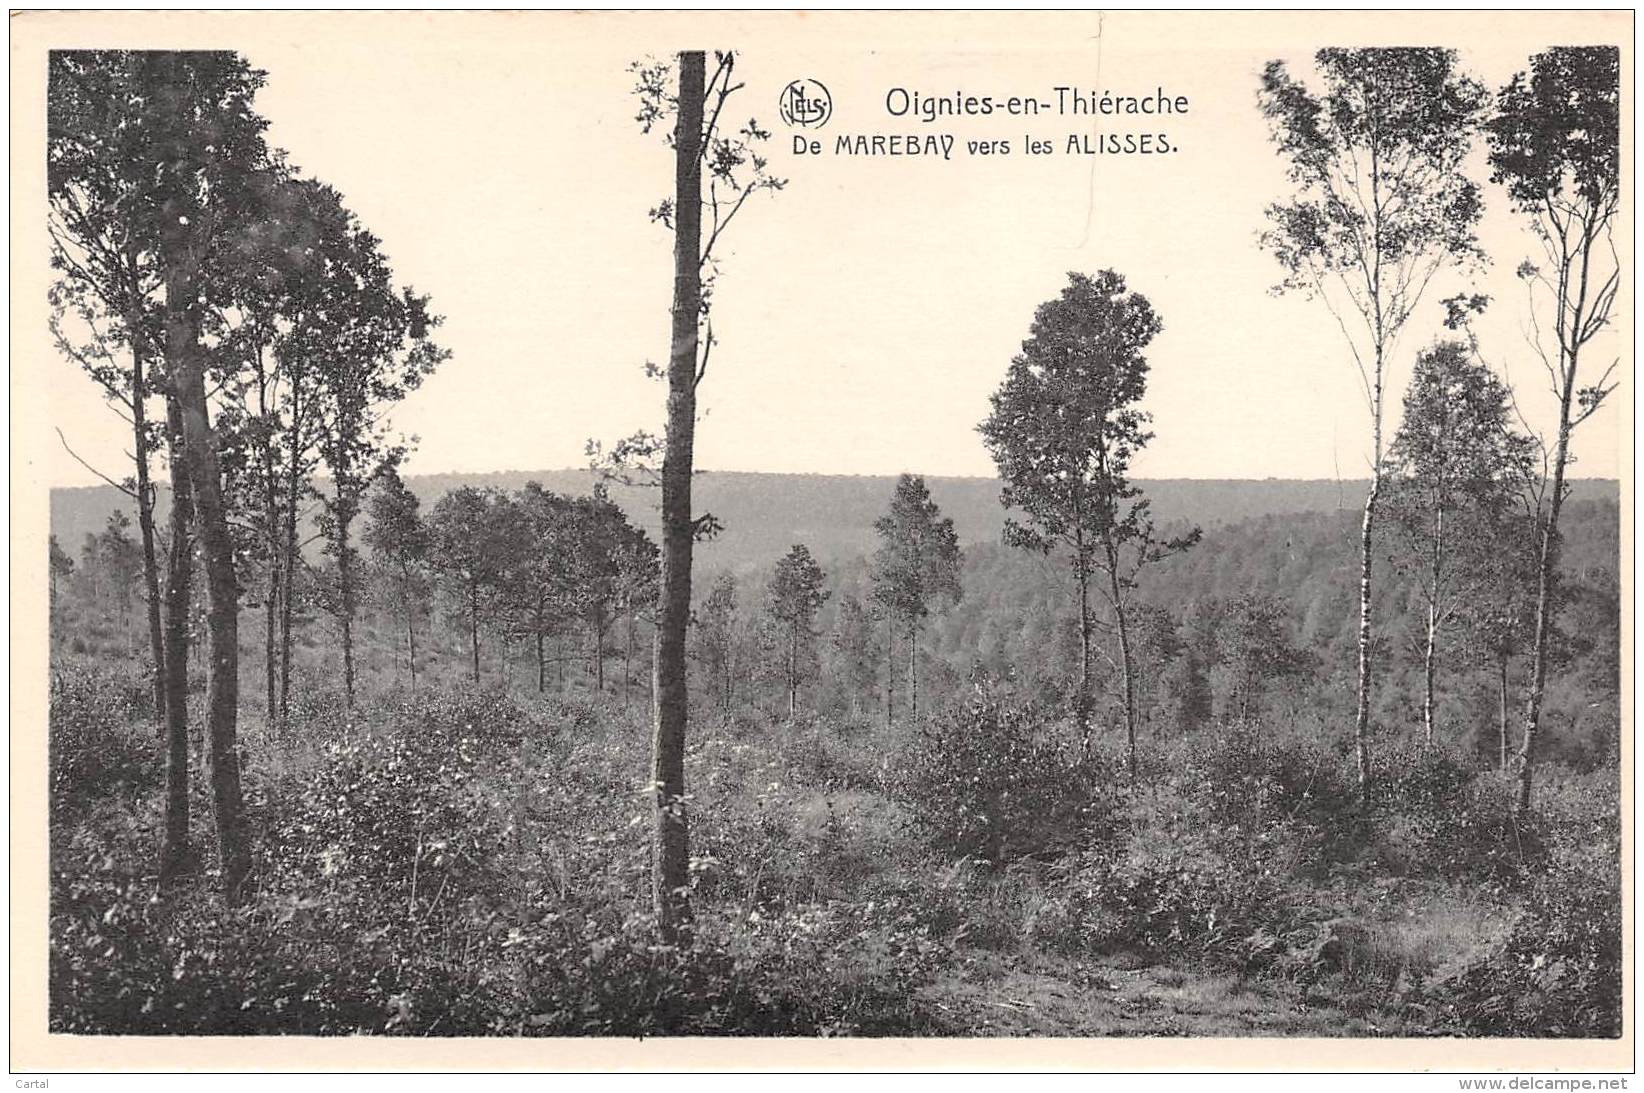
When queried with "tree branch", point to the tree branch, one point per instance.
{"points": [[122, 488]]}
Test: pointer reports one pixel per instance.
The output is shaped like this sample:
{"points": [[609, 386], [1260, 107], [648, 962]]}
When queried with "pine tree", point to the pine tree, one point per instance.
{"points": [[916, 566], [795, 596]]}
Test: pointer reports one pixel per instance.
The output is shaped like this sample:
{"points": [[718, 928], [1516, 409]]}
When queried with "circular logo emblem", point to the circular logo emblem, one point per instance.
{"points": [[806, 103]]}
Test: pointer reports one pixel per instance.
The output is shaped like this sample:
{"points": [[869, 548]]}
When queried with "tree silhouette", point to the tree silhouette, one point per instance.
{"points": [[716, 638], [399, 537], [795, 596], [1064, 428], [1254, 648], [474, 550], [1453, 468], [916, 565]]}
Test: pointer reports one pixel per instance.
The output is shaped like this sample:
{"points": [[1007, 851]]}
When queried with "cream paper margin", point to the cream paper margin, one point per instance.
{"points": [[34, 33]]}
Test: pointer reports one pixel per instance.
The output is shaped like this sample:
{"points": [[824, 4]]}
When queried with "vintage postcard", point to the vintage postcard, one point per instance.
{"points": [[822, 540]]}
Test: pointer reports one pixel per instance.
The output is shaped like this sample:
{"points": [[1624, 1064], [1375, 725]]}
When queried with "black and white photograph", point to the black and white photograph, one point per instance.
{"points": [[1070, 540]]}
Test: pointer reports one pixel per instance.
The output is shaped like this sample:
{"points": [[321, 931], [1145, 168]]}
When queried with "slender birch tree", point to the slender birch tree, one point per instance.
{"points": [[1454, 467], [1555, 145], [1382, 204]]}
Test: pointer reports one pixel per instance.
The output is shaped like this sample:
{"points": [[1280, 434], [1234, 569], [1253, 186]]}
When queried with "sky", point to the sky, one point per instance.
{"points": [[866, 311]]}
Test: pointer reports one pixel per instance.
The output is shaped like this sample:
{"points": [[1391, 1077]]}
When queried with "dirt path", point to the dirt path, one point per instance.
{"points": [[1000, 995]]}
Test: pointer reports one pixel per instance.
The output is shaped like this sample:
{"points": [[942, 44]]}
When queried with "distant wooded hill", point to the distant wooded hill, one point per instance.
{"points": [[765, 514]]}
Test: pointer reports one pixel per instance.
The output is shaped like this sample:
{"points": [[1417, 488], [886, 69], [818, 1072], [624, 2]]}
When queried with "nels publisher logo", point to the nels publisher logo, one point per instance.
{"points": [[806, 103]]}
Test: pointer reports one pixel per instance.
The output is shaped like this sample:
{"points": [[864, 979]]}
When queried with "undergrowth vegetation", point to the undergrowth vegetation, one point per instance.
{"points": [[460, 862]]}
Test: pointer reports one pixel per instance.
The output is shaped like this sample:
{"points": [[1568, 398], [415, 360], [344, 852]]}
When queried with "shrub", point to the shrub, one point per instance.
{"points": [[807, 971], [383, 887], [818, 753], [1211, 870], [1558, 972], [315, 714], [1437, 817], [415, 806], [1201, 897], [102, 737], [1247, 775], [988, 780]]}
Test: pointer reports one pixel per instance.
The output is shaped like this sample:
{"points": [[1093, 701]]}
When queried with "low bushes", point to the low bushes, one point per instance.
{"points": [[457, 863], [1249, 854], [1558, 970], [1438, 816], [102, 737], [816, 970], [1195, 896], [993, 781]]}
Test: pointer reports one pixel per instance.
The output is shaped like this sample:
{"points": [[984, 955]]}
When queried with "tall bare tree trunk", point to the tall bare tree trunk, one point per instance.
{"points": [[271, 606], [174, 850], [1127, 671], [599, 656], [913, 672], [411, 627], [271, 641], [185, 359], [473, 629], [151, 584], [271, 529], [1546, 592], [1430, 660], [289, 547], [542, 662], [1083, 700], [145, 524], [627, 661], [671, 847], [1361, 719], [345, 579], [793, 676], [1429, 665], [1501, 694], [411, 646], [348, 656], [890, 671]]}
